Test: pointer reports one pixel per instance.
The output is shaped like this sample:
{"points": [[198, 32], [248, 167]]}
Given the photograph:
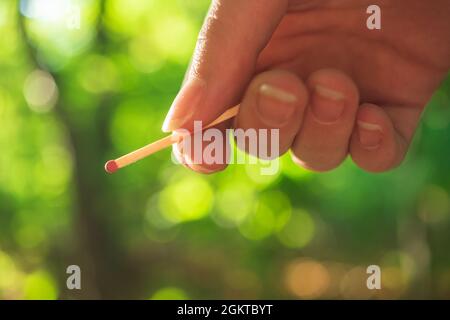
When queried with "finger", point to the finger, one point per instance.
{"points": [[231, 38], [274, 100], [323, 140], [377, 145], [205, 152]]}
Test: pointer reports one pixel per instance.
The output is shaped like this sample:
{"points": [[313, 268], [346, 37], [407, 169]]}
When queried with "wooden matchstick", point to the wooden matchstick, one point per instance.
{"points": [[113, 165]]}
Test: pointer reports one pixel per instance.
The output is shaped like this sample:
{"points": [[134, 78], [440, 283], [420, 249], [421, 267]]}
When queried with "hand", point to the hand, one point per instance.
{"points": [[314, 70]]}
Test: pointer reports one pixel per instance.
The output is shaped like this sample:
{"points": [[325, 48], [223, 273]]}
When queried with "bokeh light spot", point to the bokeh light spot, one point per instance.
{"points": [[398, 269], [46, 10], [10, 278], [169, 293], [189, 199], [259, 224], [234, 202], [40, 91], [29, 236], [99, 74], [353, 284], [270, 213], [299, 230], [144, 56], [54, 170], [307, 278], [40, 286], [434, 205], [254, 172], [175, 36]]}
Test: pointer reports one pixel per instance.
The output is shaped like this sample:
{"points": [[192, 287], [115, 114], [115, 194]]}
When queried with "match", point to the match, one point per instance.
{"points": [[113, 165]]}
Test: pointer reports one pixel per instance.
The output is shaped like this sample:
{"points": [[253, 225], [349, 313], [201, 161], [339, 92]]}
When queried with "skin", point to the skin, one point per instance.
{"points": [[336, 88]]}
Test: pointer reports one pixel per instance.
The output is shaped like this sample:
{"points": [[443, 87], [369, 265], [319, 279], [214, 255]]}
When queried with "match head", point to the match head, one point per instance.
{"points": [[111, 166]]}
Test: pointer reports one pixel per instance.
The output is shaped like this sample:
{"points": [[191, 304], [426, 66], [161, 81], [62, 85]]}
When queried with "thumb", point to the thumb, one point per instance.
{"points": [[232, 36]]}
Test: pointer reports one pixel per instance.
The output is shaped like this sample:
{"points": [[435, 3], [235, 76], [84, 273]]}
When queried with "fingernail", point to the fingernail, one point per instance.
{"points": [[187, 101], [327, 104], [369, 135], [275, 106]]}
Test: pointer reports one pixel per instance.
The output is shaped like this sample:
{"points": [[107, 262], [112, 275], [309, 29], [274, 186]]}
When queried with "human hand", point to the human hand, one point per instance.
{"points": [[312, 69]]}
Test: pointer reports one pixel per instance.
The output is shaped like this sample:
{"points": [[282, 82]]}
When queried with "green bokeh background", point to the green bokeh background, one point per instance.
{"points": [[156, 230]]}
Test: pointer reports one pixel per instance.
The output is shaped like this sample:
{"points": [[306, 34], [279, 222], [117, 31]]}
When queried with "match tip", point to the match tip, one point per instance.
{"points": [[111, 166]]}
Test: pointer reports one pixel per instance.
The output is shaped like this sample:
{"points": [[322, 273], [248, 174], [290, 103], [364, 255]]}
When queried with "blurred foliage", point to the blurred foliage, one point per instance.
{"points": [[72, 98]]}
